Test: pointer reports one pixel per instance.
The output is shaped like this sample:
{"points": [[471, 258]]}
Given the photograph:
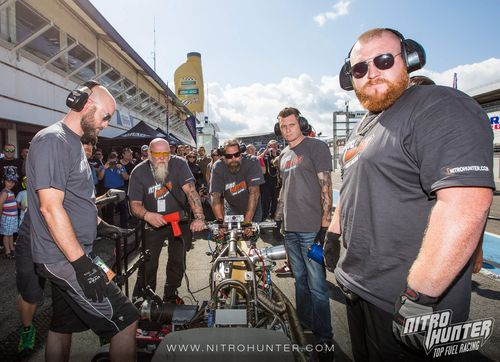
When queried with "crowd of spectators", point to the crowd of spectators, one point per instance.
{"points": [[112, 171]]}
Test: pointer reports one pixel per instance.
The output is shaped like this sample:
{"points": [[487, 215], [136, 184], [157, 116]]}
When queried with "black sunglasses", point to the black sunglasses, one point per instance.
{"points": [[229, 156], [382, 62]]}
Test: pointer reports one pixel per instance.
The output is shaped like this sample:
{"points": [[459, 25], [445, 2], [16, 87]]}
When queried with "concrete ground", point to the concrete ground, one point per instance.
{"points": [[485, 304]]}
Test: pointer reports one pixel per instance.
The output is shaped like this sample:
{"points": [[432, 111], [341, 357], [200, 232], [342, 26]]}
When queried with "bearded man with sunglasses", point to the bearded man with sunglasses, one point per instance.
{"points": [[417, 186], [158, 186], [236, 177]]}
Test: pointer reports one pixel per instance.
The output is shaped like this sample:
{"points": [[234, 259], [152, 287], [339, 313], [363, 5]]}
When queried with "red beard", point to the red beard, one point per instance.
{"points": [[380, 101]]}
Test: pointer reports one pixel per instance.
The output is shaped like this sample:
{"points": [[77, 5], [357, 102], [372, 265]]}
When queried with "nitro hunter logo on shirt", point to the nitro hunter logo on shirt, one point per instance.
{"points": [[354, 149], [235, 188], [465, 169], [160, 191], [446, 339], [293, 163]]}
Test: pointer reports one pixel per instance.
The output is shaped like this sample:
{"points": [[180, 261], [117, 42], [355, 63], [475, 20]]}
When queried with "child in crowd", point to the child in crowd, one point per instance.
{"points": [[9, 220], [22, 199]]}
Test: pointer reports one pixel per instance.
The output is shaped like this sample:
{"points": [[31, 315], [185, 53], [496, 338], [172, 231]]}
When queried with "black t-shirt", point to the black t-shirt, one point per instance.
{"points": [[129, 167], [431, 138], [158, 197], [234, 187]]}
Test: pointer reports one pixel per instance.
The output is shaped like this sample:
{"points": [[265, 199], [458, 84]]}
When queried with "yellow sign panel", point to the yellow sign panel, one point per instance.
{"points": [[188, 80]]}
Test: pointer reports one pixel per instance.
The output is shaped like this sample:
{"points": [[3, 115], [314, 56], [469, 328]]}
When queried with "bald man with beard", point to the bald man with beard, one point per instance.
{"points": [[161, 185], [64, 224]]}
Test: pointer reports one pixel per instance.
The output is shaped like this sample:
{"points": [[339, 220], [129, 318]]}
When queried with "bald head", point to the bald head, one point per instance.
{"points": [[103, 97], [159, 143]]}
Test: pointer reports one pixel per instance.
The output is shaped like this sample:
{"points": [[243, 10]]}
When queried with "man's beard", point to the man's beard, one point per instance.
{"points": [[160, 173], [88, 126], [380, 101], [234, 167]]}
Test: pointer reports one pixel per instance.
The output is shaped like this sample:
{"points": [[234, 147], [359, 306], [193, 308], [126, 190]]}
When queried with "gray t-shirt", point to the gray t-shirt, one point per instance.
{"points": [[143, 187], [234, 187], [431, 138], [57, 160], [299, 168]]}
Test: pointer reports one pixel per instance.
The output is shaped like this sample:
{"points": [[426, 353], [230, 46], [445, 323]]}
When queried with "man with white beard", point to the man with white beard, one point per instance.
{"points": [[158, 186]]}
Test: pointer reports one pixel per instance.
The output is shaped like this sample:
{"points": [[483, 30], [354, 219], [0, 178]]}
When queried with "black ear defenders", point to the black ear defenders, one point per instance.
{"points": [[77, 98], [412, 53], [303, 124]]}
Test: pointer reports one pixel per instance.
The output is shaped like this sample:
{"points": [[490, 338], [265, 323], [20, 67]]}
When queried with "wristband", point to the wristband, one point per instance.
{"points": [[144, 215]]}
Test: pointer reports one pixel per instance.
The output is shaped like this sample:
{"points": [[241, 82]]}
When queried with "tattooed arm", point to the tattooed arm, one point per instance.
{"points": [[198, 224], [253, 199], [325, 182], [278, 214], [217, 205], [194, 200]]}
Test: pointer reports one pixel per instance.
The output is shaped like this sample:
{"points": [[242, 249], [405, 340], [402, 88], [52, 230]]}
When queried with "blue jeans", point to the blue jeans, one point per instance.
{"points": [[311, 290]]}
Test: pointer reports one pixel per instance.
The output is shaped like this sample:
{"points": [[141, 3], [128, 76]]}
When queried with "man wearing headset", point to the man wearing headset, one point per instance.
{"points": [[64, 224], [418, 162], [236, 177], [305, 208]]}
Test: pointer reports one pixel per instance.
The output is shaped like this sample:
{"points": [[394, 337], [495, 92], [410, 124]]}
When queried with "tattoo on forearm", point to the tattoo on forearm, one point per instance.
{"points": [[325, 182], [194, 199]]}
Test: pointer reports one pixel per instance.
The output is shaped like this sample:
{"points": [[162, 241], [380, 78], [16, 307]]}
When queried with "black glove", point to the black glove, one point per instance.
{"points": [[320, 236], [91, 278], [105, 229], [411, 303], [331, 250]]}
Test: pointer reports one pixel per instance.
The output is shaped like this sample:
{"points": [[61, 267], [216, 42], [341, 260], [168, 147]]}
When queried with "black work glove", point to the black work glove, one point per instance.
{"points": [[320, 236], [411, 303], [105, 229], [91, 278], [331, 250]]}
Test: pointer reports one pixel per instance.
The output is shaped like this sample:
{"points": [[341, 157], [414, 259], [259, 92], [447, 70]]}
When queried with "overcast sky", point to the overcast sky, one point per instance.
{"points": [[259, 56]]}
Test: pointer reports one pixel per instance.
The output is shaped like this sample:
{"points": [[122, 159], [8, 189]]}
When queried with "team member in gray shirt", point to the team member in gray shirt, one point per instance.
{"points": [[64, 225], [305, 206], [417, 185], [236, 177]]}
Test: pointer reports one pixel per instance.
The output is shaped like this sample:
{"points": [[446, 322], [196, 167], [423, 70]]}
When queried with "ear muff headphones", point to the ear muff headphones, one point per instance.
{"points": [[77, 98], [303, 124], [412, 53]]}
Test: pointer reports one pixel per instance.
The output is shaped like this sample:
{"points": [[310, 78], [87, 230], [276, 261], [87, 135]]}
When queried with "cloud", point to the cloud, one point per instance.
{"points": [[339, 9], [252, 109]]}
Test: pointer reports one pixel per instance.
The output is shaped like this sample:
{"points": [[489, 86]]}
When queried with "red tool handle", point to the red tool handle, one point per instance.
{"points": [[176, 228]]}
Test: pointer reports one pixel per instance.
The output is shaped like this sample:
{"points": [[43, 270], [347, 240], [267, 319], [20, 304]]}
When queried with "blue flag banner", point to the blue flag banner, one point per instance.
{"points": [[191, 125]]}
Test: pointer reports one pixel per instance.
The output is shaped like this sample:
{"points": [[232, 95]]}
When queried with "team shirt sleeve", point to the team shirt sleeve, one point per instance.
{"points": [[255, 175], [216, 179], [50, 162], [452, 144], [322, 159]]}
